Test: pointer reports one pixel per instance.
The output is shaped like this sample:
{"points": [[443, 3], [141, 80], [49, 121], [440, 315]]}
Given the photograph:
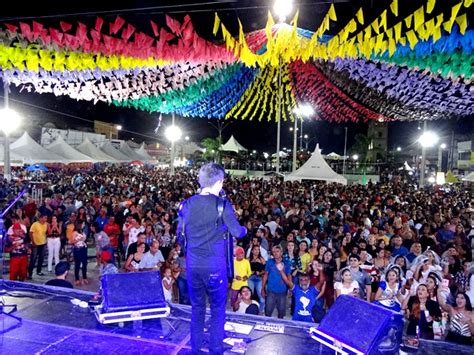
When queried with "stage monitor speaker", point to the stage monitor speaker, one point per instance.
{"points": [[132, 291], [368, 328]]}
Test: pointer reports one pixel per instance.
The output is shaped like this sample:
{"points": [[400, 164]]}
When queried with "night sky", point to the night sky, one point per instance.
{"points": [[67, 113]]}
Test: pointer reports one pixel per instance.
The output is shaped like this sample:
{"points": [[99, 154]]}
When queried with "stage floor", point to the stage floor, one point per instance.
{"points": [[51, 324]]}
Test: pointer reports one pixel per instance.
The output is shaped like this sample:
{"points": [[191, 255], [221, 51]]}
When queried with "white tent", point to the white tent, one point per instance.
{"points": [[60, 147], [109, 149], [316, 168], [129, 152], [282, 154], [32, 153], [469, 177], [89, 149], [334, 156], [406, 167], [15, 159], [233, 146], [145, 156]]}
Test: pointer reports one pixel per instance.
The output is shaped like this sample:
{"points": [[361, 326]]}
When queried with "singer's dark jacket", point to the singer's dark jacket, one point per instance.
{"points": [[205, 239]]}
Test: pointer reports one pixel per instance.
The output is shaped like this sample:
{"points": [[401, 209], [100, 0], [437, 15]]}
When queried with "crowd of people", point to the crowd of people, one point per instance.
{"points": [[402, 248]]}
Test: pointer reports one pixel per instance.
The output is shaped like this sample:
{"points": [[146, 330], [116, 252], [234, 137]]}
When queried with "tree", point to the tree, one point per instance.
{"points": [[212, 146]]}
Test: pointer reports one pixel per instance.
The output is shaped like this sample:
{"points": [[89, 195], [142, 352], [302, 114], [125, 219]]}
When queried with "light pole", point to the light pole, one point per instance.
{"points": [[282, 8], [345, 150], [9, 121], [303, 111], [173, 133], [427, 139]]}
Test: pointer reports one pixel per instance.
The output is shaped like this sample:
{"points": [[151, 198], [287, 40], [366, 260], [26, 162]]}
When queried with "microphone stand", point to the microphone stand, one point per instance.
{"points": [[3, 240], [229, 245]]}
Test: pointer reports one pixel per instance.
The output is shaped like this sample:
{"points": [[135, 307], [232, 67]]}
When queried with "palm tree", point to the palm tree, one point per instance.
{"points": [[212, 146]]}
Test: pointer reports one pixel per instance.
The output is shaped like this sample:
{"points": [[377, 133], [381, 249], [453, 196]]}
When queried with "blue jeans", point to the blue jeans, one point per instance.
{"points": [[277, 300], [255, 284], [183, 290], [80, 262], [214, 283]]}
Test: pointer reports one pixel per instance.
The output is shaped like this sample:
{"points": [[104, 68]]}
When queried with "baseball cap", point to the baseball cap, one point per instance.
{"points": [[239, 251], [61, 268], [106, 255], [16, 226]]}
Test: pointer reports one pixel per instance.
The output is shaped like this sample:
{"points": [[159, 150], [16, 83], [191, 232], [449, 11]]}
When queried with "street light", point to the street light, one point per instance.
{"points": [[283, 8], [9, 121], [399, 149], [173, 134], [427, 140], [303, 111], [355, 157]]}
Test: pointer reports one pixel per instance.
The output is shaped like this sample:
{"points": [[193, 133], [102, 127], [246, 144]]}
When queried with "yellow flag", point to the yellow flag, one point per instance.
{"points": [[448, 25], [352, 26], [360, 16], [397, 30], [430, 25], [392, 46], [332, 13], [375, 26], [360, 37], [419, 17], [436, 34], [389, 33], [439, 20], [430, 6], [368, 32], [408, 21], [454, 12], [217, 22], [394, 7], [383, 20], [467, 3], [412, 39], [462, 22]]}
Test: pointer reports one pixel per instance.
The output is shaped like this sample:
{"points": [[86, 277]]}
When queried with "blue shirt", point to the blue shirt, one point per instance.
{"points": [[400, 251], [275, 282], [445, 236], [304, 303]]}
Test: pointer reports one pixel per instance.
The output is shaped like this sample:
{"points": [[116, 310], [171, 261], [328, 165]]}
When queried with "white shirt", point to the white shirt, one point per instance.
{"points": [[346, 291], [133, 234], [149, 260]]}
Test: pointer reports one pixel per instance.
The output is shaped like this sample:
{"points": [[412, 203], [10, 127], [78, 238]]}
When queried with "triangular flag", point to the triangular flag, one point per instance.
{"points": [[408, 21], [419, 17], [332, 13], [462, 22], [173, 25], [65, 26], [360, 16], [383, 20], [397, 30], [394, 7], [98, 24], [116, 26], [430, 6], [11, 28], [154, 27], [412, 38], [217, 22]]}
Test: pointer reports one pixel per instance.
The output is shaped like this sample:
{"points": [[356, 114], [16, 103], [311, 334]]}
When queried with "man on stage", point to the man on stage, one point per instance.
{"points": [[205, 250]]}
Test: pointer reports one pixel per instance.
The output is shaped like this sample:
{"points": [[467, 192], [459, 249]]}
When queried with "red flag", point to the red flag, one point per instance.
{"points": [[81, 33], [65, 26], [56, 36], [98, 24], [154, 26], [11, 28], [187, 29], [117, 25], [127, 32], [95, 36], [173, 25], [26, 31], [37, 29], [45, 37]]}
